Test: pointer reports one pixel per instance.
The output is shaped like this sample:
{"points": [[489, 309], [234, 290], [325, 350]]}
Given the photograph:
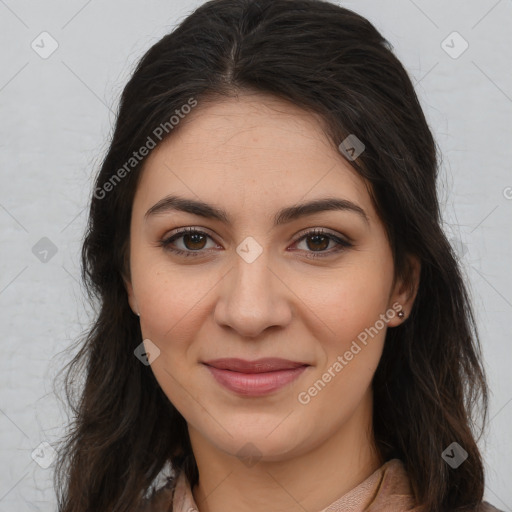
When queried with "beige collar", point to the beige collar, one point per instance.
{"points": [[385, 490]]}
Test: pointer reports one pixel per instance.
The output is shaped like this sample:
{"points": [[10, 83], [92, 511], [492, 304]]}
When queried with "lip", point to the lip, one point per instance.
{"points": [[255, 378], [266, 364]]}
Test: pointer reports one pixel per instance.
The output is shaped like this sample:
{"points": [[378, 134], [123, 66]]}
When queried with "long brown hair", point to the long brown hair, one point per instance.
{"points": [[429, 388]]}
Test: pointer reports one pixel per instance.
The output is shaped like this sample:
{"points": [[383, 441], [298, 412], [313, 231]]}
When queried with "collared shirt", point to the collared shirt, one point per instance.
{"points": [[387, 489]]}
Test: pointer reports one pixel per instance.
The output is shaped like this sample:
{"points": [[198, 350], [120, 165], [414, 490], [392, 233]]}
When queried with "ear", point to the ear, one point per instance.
{"points": [[405, 291], [131, 296]]}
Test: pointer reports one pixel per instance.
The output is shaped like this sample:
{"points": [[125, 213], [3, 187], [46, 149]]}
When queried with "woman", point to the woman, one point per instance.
{"points": [[282, 321]]}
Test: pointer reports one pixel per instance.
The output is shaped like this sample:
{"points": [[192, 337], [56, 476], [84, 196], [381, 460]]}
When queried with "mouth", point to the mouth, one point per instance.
{"points": [[267, 364], [255, 378]]}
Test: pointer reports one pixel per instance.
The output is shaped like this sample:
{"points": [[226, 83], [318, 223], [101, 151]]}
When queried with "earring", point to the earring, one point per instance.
{"points": [[401, 314]]}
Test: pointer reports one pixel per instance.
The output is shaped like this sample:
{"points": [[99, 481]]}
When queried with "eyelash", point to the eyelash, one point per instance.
{"points": [[166, 243]]}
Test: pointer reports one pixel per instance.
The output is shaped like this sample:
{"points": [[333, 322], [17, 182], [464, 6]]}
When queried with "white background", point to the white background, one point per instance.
{"points": [[55, 118]]}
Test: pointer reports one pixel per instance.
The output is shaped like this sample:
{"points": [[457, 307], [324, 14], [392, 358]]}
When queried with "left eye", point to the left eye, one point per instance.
{"points": [[194, 241], [318, 240]]}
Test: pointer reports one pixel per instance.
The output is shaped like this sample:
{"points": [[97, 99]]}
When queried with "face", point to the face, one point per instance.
{"points": [[250, 276]]}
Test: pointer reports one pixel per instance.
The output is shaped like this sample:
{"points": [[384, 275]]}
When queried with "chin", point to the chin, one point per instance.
{"points": [[262, 442]]}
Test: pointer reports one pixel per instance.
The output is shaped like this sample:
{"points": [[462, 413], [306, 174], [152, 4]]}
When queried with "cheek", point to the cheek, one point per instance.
{"points": [[160, 308], [351, 303], [172, 307], [169, 299], [351, 350]]}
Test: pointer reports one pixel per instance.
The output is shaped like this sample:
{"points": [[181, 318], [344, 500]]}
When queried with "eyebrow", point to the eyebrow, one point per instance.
{"points": [[175, 203]]}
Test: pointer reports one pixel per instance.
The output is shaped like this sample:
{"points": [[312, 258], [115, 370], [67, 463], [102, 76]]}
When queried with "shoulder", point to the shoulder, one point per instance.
{"points": [[160, 500], [397, 484], [484, 506], [487, 507]]}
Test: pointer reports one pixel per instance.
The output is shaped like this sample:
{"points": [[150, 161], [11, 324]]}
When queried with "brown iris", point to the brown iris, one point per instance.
{"points": [[318, 239], [196, 243]]}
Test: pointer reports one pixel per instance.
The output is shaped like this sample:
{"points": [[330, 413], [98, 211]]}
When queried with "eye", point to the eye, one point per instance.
{"points": [[318, 240], [194, 241]]}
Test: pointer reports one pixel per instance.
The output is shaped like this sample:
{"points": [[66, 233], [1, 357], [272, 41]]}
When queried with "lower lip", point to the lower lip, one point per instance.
{"points": [[255, 384]]}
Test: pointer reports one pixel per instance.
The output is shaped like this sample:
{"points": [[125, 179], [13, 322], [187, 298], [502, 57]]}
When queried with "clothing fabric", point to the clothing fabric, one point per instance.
{"points": [[388, 489]]}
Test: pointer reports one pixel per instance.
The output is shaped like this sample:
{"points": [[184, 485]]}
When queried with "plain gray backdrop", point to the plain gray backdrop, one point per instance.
{"points": [[63, 66]]}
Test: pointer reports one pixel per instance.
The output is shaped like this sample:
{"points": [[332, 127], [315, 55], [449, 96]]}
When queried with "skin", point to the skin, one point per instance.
{"points": [[251, 156]]}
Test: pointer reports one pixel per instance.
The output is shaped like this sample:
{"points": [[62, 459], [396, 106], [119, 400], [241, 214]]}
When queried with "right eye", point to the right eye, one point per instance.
{"points": [[193, 242]]}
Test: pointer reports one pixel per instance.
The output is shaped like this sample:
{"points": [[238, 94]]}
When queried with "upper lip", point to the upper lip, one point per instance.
{"points": [[266, 364]]}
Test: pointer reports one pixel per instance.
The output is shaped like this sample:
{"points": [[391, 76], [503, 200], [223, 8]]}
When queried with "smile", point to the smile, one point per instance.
{"points": [[255, 378]]}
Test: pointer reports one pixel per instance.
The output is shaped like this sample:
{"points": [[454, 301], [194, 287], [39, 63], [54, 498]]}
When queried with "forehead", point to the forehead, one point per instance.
{"points": [[250, 150], [252, 122]]}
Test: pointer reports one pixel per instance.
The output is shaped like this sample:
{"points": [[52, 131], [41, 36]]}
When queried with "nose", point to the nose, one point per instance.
{"points": [[253, 297]]}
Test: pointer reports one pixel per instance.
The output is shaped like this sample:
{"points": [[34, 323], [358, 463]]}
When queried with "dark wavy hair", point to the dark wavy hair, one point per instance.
{"points": [[429, 388]]}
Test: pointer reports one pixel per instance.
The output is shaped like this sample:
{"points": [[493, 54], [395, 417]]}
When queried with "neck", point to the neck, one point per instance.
{"points": [[309, 481]]}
